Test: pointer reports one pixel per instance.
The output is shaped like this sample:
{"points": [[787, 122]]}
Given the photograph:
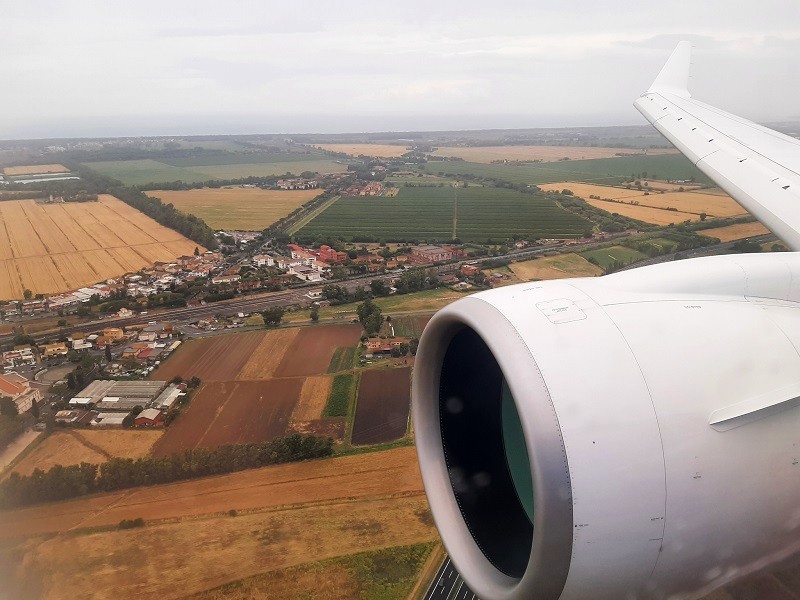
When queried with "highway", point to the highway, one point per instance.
{"points": [[448, 585]]}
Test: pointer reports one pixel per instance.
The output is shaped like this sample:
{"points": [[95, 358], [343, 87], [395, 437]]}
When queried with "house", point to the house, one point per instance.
{"points": [[54, 349], [19, 390], [381, 345], [225, 279], [430, 254], [150, 417], [19, 356], [331, 256], [263, 260], [470, 270], [113, 334]]}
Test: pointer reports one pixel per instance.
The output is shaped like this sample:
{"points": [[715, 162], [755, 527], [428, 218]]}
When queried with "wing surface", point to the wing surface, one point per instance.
{"points": [[758, 167]]}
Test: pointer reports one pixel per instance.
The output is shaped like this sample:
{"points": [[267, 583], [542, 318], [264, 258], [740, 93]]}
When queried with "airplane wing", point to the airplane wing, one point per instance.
{"points": [[758, 167]]}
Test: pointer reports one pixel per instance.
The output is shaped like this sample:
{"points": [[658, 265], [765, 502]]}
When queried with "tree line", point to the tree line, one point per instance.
{"points": [[62, 483]]}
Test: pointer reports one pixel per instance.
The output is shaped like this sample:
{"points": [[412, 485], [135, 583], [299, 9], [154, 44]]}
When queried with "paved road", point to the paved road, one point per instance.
{"points": [[448, 585]]}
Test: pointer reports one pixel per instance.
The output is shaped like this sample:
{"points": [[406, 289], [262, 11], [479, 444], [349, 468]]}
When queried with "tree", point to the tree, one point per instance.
{"points": [[62, 323], [71, 383], [129, 420], [412, 346], [703, 216], [35, 409], [8, 407], [27, 294], [315, 313], [108, 352], [194, 381], [273, 316], [379, 287], [369, 314], [196, 251], [404, 347]]}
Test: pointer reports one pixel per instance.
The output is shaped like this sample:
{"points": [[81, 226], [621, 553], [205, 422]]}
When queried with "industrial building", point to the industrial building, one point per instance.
{"points": [[109, 395]]}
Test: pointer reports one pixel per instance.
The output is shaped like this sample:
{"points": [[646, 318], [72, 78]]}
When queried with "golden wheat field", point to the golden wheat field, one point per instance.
{"points": [[379, 150], [736, 232], [648, 206], [35, 169], [236, 208], [487, 154], [52, 248]]}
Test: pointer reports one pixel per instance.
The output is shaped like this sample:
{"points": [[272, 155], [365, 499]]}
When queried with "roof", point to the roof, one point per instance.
{"points": [[149, 413], [10, 387]]}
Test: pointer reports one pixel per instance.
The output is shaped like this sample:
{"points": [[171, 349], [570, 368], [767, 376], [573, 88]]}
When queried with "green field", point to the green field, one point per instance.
{"points": [[135, 172], [418, 214], [605, 257], [237, 171], [662, 166], [343, 359], [343, 392], [226, 166], [409, 327]]}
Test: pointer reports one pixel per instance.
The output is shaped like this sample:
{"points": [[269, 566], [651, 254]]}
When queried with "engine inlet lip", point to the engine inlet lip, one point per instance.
{"points": [[551, 552]]}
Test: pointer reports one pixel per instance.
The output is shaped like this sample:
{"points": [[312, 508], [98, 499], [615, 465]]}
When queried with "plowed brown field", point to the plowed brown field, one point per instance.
{"points": [[383, 404], [218, 358], [232, 412], [251, 384], [52, 248], [311, 351]]}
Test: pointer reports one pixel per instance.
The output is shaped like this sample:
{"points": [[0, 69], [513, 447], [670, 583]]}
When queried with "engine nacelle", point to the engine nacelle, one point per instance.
{"points": [[630, 436]]}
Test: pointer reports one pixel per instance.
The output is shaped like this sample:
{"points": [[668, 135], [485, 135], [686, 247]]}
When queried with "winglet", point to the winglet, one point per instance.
{"points": [[674, 76]]}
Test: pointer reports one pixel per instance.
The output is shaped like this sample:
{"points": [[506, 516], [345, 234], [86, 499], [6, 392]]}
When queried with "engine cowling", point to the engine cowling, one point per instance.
{"points": [[630, 436]]}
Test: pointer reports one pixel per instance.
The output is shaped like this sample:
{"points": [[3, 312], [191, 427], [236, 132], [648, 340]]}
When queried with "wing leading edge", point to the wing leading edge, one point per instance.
{"points": [[758, 167]]}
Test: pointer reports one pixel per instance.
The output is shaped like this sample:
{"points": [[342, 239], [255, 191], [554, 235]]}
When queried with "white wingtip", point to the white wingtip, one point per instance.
{"points": [[674, 76]]}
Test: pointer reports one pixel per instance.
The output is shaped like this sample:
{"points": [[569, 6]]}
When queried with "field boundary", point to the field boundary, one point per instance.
{"points": [[298, 225]]}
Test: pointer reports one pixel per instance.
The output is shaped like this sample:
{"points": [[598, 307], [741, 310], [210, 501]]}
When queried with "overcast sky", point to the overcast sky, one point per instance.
{"points": [[167, 67]]}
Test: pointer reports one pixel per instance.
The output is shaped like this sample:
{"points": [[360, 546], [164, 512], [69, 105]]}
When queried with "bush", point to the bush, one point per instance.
{"points": [[131, 523]]}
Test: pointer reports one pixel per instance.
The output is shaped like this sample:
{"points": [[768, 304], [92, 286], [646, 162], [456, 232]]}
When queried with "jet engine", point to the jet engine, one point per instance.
{"points": [[630, 436]]}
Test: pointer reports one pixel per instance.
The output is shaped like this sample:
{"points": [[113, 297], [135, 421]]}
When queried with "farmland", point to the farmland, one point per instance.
{"points": [[474, 213], [215, 166], [71, 447], [487, 154], [35, 169], [656, 216], [232, 412], [409, 327], [731, 233], [52, 248], [236, 208], [256, 386], [377, 150], [664, 166], [694, 201], [288, 516], [606, 257], [382, 408], [390, 573], [555, 267]]}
